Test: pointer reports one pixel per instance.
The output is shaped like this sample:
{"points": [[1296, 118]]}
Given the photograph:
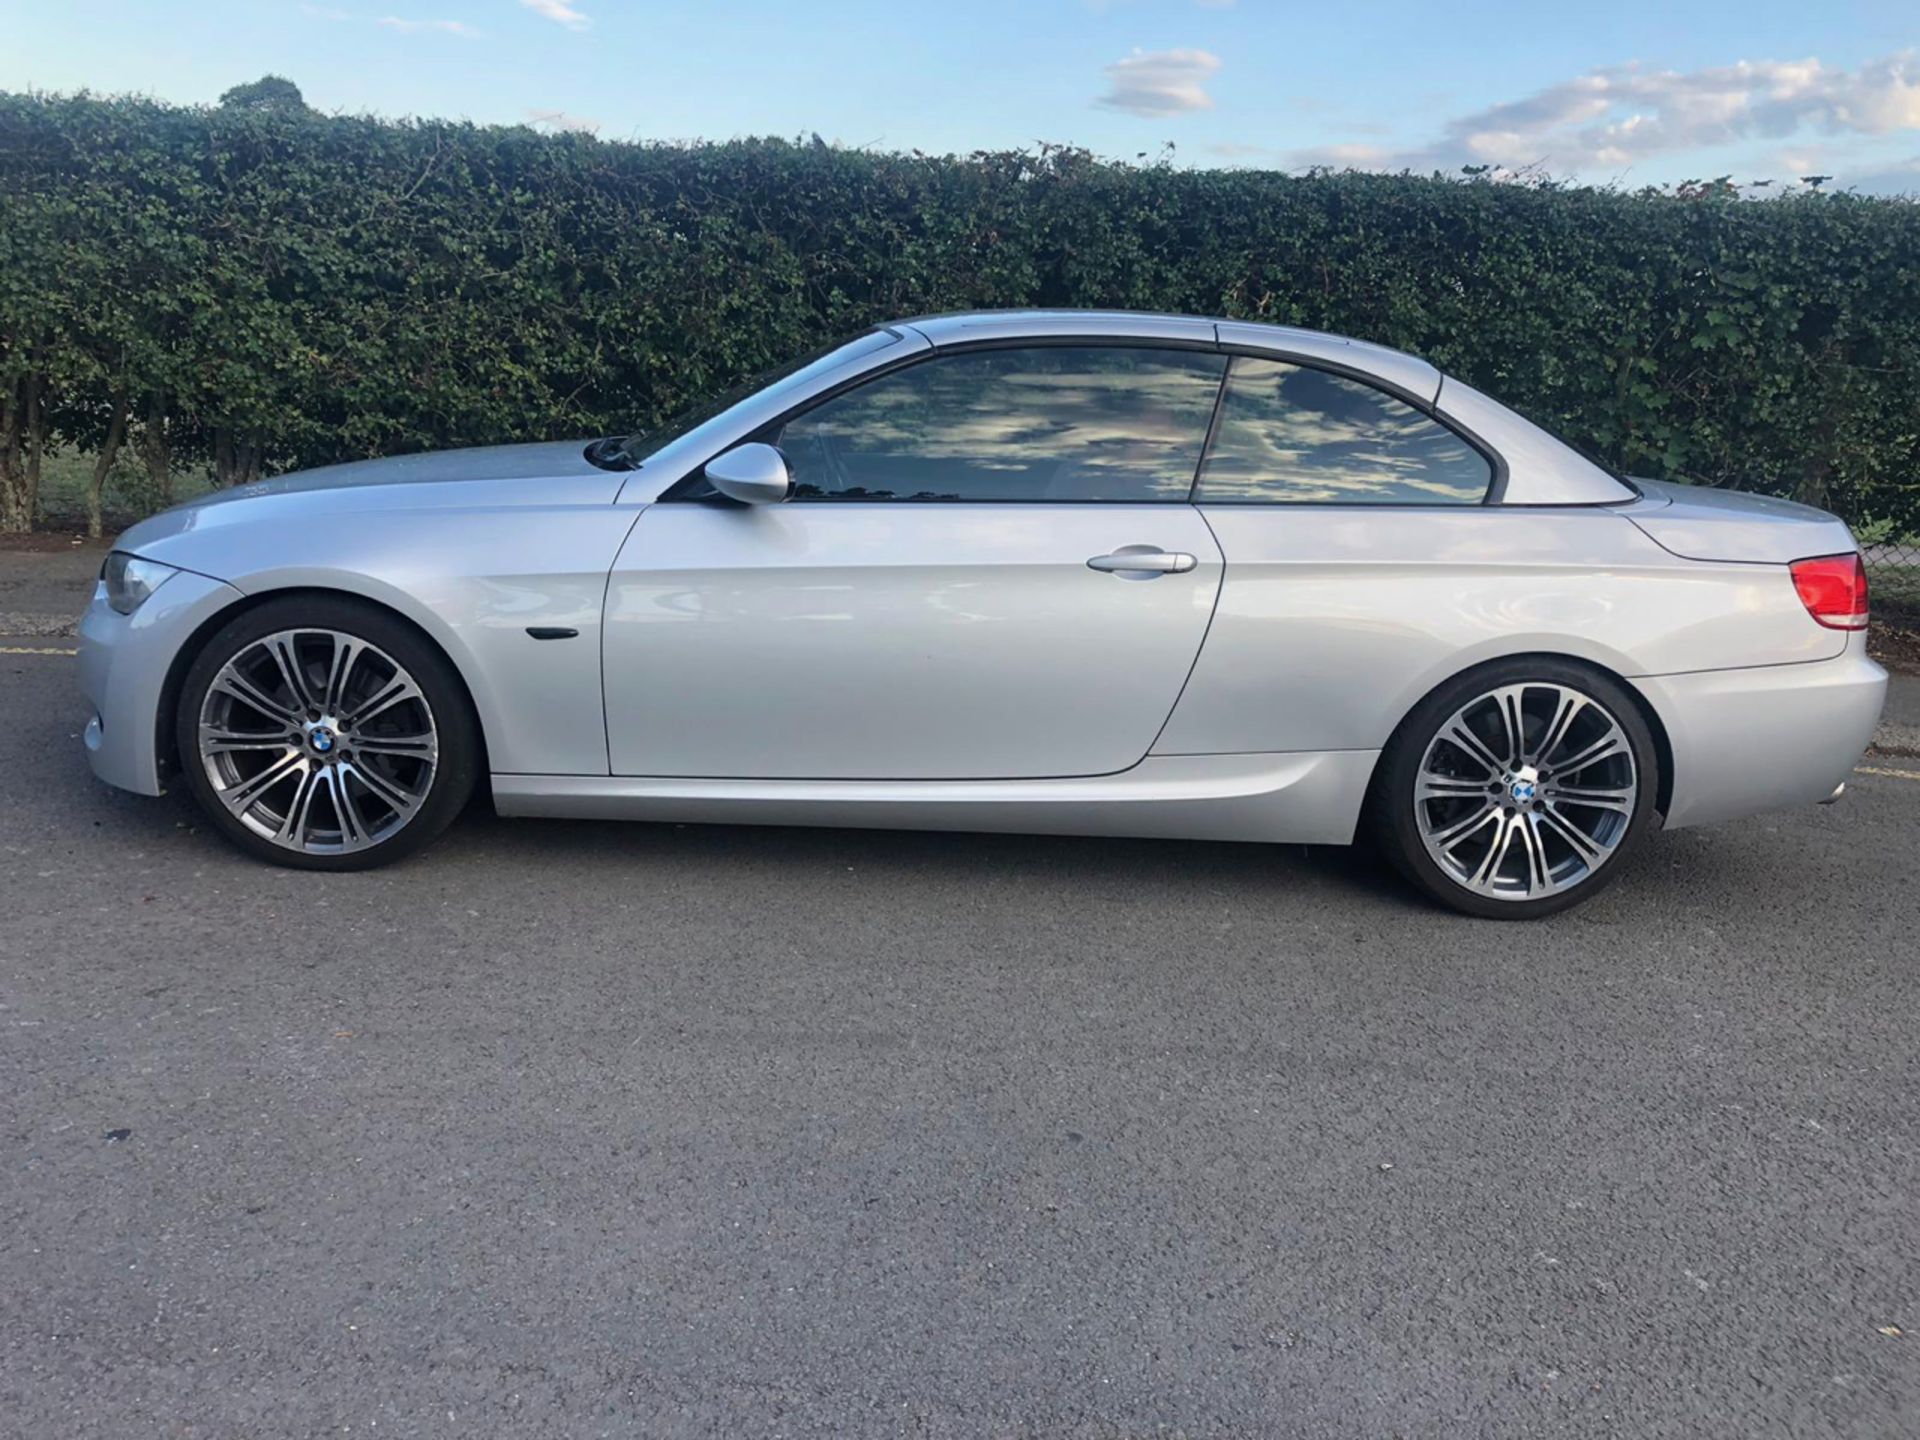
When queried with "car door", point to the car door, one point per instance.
{"points": [[988, 568]]}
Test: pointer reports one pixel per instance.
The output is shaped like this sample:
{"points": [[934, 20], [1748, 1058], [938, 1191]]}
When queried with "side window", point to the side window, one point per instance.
{"points": [[1059, 423], [1289, 434]]}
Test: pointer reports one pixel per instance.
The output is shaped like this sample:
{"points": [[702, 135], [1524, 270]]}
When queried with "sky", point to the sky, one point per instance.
{"points": [[1628, 91]]}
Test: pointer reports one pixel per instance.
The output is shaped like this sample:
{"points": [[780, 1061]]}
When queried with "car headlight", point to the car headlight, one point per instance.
{"points": [[130, 580]]}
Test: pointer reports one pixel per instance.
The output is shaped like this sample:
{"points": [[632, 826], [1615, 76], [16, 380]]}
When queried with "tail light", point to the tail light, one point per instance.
{"points": [[1834, 589]]}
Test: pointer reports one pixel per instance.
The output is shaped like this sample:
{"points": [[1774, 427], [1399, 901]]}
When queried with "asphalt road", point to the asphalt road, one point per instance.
{"points": [[593, 1129]]}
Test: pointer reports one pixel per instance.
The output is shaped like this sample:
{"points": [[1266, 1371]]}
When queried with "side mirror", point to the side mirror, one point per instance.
{"points": [[753, 474]]}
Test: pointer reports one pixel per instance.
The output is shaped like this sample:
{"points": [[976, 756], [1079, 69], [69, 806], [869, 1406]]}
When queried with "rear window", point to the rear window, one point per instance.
{"points": [[1291, 435]]}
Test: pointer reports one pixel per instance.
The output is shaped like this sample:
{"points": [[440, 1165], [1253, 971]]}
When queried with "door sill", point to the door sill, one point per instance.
{"points": [[1295, 797]]}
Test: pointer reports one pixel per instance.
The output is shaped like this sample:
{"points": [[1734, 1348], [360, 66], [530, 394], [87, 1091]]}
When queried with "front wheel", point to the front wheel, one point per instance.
{"points": [[323, 733], [1515, 790]]}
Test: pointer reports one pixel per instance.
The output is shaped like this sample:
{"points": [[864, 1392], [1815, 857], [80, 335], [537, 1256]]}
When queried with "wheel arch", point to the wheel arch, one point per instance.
{"points": [[1662, 745], [166, 749]]}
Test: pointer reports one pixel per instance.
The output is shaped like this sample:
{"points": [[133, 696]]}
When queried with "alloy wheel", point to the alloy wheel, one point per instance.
{"points": [[1525, 791], [317, 741]]}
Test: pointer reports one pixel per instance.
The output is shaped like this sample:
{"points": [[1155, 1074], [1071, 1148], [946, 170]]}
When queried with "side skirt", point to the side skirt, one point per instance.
{"points": [[1305, 797]]}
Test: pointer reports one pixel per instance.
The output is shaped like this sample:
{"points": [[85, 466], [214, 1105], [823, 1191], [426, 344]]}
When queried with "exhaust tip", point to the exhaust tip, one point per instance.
{"points": [[1838, 791]]}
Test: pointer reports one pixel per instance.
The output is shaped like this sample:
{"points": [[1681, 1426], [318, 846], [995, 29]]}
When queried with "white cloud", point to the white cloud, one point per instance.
{"points": [[561, 120], [560, 12], [1160, 83], [420, 27], [1609, 118]]}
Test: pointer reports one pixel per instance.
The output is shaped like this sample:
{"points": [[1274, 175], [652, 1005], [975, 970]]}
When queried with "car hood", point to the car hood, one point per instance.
{"points": [[550, 459], [491, 478]]}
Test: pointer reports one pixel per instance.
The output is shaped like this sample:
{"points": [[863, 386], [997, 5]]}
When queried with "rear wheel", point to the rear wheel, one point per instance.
{"points": [[1514, 790], [323, 733]]}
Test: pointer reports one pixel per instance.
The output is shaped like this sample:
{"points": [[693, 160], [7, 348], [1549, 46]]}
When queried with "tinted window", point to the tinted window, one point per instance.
{"points": [[1292, 434], [1051, 423]]}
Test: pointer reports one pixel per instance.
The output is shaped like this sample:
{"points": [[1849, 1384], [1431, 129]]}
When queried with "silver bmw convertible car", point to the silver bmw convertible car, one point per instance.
{"points": [[1061, 572]]}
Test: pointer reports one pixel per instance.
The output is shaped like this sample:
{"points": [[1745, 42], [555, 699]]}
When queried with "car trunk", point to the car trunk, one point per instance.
{"points": [[1700, 523]]}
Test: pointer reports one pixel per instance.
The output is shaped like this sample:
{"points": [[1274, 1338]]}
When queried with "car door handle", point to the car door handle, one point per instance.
{"points": [[1143, 562]]}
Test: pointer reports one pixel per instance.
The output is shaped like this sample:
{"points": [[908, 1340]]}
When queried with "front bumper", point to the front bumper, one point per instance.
{"points": [[1750, 740], [124, 663]]}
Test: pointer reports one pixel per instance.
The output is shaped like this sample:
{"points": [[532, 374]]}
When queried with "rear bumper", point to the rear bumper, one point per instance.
{"points": [[1745, 741], [124, 660]]}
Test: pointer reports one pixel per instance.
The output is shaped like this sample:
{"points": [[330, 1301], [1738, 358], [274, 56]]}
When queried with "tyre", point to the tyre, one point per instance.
{"points": [[323, 733], [1515, 790]]}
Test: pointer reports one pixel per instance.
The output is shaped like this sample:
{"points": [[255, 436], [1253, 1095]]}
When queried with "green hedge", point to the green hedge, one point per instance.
{"points": [[248, 288]]}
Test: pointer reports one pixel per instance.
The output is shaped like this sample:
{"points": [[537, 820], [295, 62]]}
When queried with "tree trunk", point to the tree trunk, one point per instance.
{"points": [[1814, 487], [36, 446], [236, 461], [155, 450], [103, 464], [14, 513]]}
